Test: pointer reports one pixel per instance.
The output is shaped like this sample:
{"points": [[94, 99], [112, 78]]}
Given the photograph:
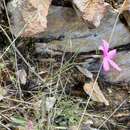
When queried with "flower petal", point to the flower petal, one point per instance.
{"points": [[112, 53], [105, 45], [114, 65], [101, 48], [106, 66], [30, 125]]}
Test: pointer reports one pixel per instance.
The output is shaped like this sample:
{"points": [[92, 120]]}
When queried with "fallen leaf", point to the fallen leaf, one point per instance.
{"points": [[22, 75], [97, 94], [92, 11]]}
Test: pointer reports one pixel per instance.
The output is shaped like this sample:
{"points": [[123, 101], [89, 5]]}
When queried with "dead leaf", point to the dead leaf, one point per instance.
{"points": [[97, 94], [22, 75], [92, 11]]}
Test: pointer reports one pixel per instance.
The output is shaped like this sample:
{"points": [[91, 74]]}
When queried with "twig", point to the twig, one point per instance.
{"points": [[17, 76], [4, 126], [32, 70], [112, 114]]}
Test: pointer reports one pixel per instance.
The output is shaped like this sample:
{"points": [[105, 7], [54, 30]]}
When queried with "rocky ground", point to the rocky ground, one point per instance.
{"points": [[67, 60]]}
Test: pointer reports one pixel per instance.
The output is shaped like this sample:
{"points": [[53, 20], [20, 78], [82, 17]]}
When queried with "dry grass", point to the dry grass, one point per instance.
{"points": [[21, 103]]}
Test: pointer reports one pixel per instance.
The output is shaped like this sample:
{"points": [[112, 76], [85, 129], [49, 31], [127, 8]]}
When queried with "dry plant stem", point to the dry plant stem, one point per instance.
{"points": [[81, 119], [57, 84], [42, 117], [59, 75], [33, 71], [102, 117], [7, 71], [20, 32], [3, 116], [112, 33], [4, 126], [11, 108], [116, 21], [18, 81], [8, 18], [62, 67], [59, 99], [15, 100], [43, 107], [112, 113]]}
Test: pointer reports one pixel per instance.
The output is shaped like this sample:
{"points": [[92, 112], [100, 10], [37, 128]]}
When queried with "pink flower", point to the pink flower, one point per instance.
{"points": [[30, 125], [108, 57]]}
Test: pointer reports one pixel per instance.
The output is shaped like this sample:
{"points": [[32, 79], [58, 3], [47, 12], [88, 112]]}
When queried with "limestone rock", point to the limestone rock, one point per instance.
{"points": [[123, 61], [28, 16], [73, 34]]}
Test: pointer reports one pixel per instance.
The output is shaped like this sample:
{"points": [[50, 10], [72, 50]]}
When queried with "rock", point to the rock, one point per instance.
{"points": [[28, 17], [123, 60], [126, 15], [65, 3], [73, 34], [126, 12], [91, 12]]}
